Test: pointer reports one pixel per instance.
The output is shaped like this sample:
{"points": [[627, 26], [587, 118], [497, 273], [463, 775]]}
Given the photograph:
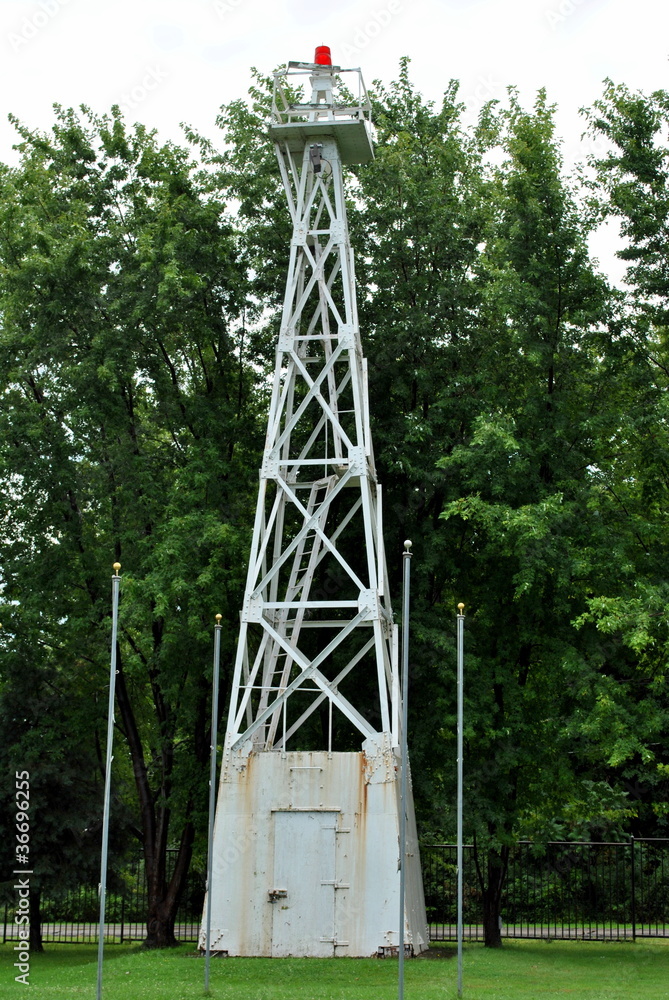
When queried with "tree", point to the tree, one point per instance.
{"points": [[518, 411], [485, 324], [420, 213], [52, 722], [631, 187], [129, 432], [533, 547]]}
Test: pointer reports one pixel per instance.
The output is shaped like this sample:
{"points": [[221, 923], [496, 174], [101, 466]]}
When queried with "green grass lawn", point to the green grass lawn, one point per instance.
{"points": [[521, 970]]}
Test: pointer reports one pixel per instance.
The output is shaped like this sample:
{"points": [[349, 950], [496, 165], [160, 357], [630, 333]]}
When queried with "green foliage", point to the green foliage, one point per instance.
{"points": [[130, 431], [632, 187], [519, 419], [502, 368]]}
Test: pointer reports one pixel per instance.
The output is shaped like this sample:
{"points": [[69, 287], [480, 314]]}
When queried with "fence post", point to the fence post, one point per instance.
{"points": [[122, 913], [633, 891]]}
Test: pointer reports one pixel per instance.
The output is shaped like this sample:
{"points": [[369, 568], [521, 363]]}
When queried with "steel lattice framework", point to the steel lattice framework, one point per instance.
{"points": [[316, 670], [316, 623]]}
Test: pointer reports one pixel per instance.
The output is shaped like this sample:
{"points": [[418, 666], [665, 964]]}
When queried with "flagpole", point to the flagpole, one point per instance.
{"points": [[406, 559], [212, 796], [116, 580], [460, 656]]}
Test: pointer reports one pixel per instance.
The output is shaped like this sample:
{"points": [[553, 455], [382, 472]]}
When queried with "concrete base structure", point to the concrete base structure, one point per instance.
{"points": [[306, 851]]}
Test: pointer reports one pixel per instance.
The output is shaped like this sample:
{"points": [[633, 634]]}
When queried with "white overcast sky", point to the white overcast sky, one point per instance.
{"points": [[168, 61]]}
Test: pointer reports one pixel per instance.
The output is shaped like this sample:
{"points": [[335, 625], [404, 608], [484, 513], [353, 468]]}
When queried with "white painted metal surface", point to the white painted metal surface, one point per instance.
{"points": [[306, 851], [303, 921], [316, 615]]}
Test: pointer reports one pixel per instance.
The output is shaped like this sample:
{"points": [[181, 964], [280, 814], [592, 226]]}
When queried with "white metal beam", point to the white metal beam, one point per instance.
{"points": [[318, 418]]}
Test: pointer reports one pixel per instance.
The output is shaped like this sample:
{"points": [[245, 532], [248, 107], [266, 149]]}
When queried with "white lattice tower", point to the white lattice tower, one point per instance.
{"points": [[305, 856], [315, 608]]}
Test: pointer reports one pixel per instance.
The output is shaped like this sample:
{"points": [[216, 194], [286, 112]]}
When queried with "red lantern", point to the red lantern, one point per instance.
{"points": [[323, 57]]}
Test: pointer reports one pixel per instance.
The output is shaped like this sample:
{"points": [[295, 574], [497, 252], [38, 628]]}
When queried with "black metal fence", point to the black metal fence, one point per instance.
{"points": [[72, 917], [596, 891]]}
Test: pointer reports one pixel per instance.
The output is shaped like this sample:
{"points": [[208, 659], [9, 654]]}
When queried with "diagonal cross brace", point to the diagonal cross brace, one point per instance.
{"points": [[309, 669]]}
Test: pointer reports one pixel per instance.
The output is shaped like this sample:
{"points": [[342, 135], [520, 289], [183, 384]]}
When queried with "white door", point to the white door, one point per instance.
{"points": [[304, 869]]}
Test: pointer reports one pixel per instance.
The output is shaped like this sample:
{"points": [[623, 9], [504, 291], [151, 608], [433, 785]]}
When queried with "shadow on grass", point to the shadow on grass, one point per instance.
{"points": [[438, 951]]}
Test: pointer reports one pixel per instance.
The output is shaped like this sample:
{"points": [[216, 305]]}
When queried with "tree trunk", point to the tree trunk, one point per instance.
{"points": [[160, 926], [492, 886], [163, 894], [34, 902], [164, 897], [492, 935]]}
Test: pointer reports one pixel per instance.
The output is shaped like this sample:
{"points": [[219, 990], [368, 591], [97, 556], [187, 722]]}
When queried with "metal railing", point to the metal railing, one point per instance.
{"points": [[72, 917], [581, 890]]}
